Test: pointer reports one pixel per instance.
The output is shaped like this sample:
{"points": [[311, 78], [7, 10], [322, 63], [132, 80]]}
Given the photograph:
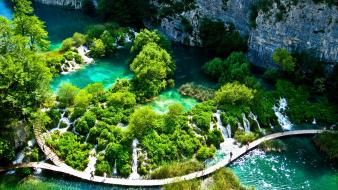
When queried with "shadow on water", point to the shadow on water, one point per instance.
{"points": [[55, 181]]}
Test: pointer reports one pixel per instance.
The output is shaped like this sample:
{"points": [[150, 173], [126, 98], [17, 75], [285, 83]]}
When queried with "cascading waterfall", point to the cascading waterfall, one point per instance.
{"points": [[92, 161], [314, 122], [83, 50], [283, 119], [220, 126], [115, 169], [134, 174], [246, 123], [228, 129], [62, 120], [19, 157], [254, 118]]}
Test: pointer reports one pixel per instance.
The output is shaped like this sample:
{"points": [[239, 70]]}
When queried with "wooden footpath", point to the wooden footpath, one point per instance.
{"points": [[61, 167]]}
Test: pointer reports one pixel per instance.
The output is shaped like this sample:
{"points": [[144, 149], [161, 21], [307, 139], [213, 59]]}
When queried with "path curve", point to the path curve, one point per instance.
{"points": [[63, 168]]}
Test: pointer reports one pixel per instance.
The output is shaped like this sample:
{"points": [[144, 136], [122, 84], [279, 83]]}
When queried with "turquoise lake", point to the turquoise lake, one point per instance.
{"points": [[301, 167]]}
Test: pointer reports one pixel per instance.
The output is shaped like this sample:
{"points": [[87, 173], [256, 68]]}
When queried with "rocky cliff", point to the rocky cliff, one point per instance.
{"points": [[75, 4], [301, 26]]}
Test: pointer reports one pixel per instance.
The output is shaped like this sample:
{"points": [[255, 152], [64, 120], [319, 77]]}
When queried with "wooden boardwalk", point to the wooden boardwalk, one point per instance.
{"points": [[63, 168]]}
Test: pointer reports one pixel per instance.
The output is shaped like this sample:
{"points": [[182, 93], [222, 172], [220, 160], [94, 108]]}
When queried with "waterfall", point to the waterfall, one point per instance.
{"points": [[228, 129], [314, 122], [246, 123], [19, 157], [92, 161], [254, 117], [240, 125], [62, 120], [134, 174], [220, 126], [115, 169], [283, 119], [83, 50]]}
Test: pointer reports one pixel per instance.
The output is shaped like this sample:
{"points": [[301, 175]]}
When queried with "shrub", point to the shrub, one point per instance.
{"points": [[205, 152], [67, 93], [69, 147], [7, 153], [67, 44], [234, 94], [282, 57], [244, 137], [176, 169], [79, 39], [215, 138], [203, 120], [97, 48]]}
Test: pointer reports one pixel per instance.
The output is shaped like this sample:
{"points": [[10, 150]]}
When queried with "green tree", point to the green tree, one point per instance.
{"points": [[67, 93], [234, 94], [153, 67], [143, 121], [27, 24], [97, 48], [7, 153], [79, 39], [282, 57], [214, 68], [145, 37], [220, 39], [82, 99], [108, 41], [122, 99], [215, 138], [205, 152], [67, 44], [24, 82]]}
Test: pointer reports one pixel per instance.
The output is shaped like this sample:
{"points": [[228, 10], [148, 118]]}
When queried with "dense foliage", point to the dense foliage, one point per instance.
{"points": [[220, 39], [69, 147], [328, 143]]}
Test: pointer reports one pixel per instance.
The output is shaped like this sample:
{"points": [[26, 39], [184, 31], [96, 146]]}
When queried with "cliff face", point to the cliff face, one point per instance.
{"points": [[75, 4], [235, 11], [304, 26]]}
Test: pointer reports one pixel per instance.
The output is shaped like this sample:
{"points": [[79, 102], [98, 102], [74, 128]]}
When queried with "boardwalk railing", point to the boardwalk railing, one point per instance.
{"points": [[236, 153]]}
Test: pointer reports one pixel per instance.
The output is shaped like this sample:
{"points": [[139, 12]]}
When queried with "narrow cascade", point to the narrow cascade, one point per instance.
{"points": [[254, 117], [314, 122], [87, 137], [220, 126], [228, 129], [283, 119], [134, 174], [83, 50], [19, 157], [62, 120], [92, 161], [115, 169], [240, 125], [246, 123]]}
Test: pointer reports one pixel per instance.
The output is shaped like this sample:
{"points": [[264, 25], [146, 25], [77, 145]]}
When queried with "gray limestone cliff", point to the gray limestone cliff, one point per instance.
{"points": [[304, 26], [75, 4]]}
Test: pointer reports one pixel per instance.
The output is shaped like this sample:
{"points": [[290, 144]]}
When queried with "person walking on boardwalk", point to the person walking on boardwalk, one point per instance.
{"points": [[92, 175], [104, 176]]}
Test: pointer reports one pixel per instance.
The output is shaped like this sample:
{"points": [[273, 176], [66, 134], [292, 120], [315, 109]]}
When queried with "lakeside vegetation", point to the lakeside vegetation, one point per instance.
{"points": [[172, 144], [221, 179]]}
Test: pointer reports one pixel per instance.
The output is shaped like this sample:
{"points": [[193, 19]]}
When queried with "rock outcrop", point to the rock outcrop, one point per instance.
{"points": [[303, 26], [74, 4], [306, 26]]}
